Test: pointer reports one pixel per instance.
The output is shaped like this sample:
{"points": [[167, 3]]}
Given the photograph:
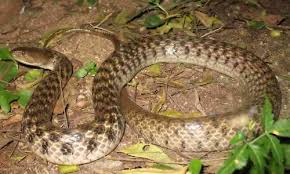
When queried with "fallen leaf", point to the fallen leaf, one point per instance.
{"points": [[181, 170], [157, 107], [147, 151], [207, 20]]}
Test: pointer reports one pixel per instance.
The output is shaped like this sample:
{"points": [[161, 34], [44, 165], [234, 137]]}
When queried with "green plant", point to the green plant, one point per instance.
{"points": [[264, 153], [9, 71]]}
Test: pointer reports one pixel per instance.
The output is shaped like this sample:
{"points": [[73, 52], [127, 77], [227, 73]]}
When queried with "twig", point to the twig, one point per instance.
{"points": [[104, 20], [142, 160], [63, 103], [214, 31]]}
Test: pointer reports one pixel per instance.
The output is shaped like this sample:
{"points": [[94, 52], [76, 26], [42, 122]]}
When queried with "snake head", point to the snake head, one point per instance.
{"points": [[38, 57]]}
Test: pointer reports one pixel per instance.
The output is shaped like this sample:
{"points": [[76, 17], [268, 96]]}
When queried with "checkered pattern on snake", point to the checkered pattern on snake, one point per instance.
{"points": [[94, 140]]}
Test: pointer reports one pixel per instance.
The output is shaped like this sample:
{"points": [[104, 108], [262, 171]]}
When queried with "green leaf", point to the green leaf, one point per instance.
{"points": [[256, 24], [24, 97], [275, 33], [254, 170], [147, 151], [238, 160], [122, 17], [162, 166], [8, 71], [281, 128], [155, 69], [237, 138], [63, 169], [286, 150], [194, 166], [91, 2], [5, 54], [154, 2], [276, 149], [89, 68], [267, 115], [276, 168], [33, 75], [153, 21], [79, 2], [80, 73], [262, 142], [6, 97], [257, 156], [18, 158]]}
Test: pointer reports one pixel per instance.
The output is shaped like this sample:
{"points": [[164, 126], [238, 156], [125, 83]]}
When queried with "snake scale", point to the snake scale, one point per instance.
{"points": [[96, 139]]}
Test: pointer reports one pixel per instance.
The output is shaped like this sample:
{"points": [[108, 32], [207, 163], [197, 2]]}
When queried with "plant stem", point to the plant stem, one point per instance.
{"points": [[159, 6]]}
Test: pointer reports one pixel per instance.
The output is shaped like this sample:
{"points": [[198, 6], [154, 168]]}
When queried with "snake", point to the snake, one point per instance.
{"points": [[113, 108]]}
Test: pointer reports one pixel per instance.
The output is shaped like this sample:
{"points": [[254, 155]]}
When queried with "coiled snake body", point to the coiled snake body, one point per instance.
{"points": [[94, 140]]}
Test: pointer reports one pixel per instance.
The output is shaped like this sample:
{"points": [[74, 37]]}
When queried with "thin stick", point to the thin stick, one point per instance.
{"points": [[214, 31]]}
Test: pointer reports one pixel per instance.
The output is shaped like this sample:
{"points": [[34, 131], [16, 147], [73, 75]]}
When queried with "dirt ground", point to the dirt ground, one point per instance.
{"points": [[188, 88]]}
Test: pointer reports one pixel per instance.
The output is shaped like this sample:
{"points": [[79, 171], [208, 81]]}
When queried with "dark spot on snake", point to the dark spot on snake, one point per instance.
{"points": [[182, 144], [156, 42], [105, 69], [207, 132], [110, 134], [30, 138], [39, 132], [124, 72], [92, 144], [199, 144], [224, 51], [217, 143], [163, 50], [44, 145], [100, 118], [142, 56], [151, 136], [205, 46], [186, 50], [224, 130], [198, 52], [227, 59], [242, 70], [182, 124], [27, 124], [216, 57], [235, 53], [166, 142], [115, 69], [245, 54], [112, 119], [176, 132], [209, 55], [159, 128], [120, 123], [153, 53], [235, 65], [182, 43], [121, 62], [110, 61], [66, 148], [167, 41], [215, 122], [99, 129]]}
